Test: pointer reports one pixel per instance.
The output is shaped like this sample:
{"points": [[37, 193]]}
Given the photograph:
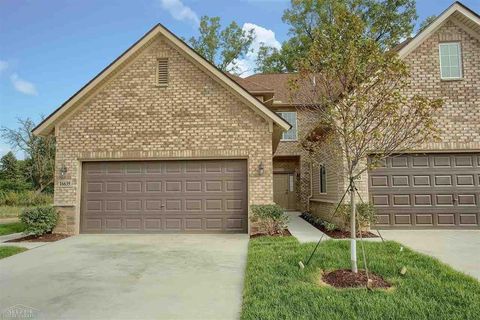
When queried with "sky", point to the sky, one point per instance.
{"points": [[49, 49]]}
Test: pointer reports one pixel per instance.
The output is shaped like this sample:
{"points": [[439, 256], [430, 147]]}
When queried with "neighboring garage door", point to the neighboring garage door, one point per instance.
{"points": [[198, 196], [427, 191]]}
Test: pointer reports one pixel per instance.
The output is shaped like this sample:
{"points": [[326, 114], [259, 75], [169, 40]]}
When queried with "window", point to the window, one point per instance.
{"points": [[323, 179], [450, 60], [291, 118], [162, 72]]}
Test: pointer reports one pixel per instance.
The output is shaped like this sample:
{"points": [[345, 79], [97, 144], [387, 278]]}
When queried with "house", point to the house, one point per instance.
{"points": [[162, 141], [436, 186]]}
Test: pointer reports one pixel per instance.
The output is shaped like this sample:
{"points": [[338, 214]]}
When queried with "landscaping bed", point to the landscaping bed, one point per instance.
{"points": [[335, 233], [276, 288], [49, 237], [284, 233], [345, 278]]}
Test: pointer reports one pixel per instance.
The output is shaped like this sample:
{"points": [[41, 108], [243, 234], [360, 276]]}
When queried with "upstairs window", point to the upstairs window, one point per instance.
{"points": [[322, 179], [450, 60], [162, 72], [291, 118]]}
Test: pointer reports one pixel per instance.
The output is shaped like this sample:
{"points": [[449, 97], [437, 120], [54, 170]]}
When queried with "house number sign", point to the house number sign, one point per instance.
{"points": [[65, 183]]}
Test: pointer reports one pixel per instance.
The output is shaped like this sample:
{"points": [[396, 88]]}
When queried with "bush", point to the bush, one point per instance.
{"points": [[39, 220], [271, 218], [14, 185], [24, 199], [317, 221], [366, 214]]}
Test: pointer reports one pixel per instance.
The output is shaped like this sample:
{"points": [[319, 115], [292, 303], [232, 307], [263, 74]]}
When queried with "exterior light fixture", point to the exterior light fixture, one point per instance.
{"points": [[63, 171], [261, 169]]}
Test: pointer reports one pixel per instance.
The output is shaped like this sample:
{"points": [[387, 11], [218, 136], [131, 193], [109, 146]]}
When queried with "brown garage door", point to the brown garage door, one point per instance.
{"points": [[204, 196], [427, 191]]}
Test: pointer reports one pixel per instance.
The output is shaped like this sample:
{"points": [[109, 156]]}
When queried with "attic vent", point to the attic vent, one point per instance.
{"points": [[162, 72]]}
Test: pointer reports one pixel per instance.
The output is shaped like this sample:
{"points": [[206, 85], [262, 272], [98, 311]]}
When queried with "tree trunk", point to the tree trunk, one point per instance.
{"points": [[353, 233]]}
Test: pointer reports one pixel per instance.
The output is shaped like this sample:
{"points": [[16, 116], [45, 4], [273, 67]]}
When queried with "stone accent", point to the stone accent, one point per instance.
{"points": [[130, 118]]}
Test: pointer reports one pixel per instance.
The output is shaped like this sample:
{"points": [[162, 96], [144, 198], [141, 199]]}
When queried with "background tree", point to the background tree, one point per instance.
{"points": [[9, 167], [39, 162], [386, 22], [359, 94], [425, 23], [222, 47]]}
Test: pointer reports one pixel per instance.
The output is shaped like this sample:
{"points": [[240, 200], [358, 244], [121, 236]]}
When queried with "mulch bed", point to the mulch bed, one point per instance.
{"points": [[340, 234], [347, 279], [49, 237], [285, 233]]}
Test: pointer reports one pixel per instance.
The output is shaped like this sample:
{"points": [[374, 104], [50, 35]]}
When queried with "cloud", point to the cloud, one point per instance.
{"points": [[179, 11], [23, 86], [3, 65], [263, 36]]}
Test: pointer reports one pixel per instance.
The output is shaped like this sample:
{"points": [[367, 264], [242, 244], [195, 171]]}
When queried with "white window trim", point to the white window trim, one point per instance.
{"points": [[296, 125], [460, 60], [320, 179]]}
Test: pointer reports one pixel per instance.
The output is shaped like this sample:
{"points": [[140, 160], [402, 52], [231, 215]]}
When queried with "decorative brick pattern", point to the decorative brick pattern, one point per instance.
{"points": [[131, 118]]}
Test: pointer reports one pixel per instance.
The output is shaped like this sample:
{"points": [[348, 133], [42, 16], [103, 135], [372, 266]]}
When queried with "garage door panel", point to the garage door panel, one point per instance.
{"points": [[164, 196], [434, 190]]}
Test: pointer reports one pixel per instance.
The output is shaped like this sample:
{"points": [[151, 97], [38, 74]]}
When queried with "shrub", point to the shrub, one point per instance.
{"points": [[14, 185], [39, 220], [271, 218], [317, 221], [366, 214], [24, 199]]}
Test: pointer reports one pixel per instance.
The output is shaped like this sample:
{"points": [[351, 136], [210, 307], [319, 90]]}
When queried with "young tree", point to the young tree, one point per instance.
{"points": [[39, 152], [224, 47], [386, 22], [359, 94]]}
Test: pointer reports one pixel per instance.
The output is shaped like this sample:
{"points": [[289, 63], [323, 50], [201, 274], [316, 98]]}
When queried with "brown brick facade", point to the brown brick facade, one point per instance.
{"points": [[129, 117]]}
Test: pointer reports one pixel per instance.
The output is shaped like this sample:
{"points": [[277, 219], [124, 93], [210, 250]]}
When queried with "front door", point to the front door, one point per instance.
{"points": [[284, 190]]}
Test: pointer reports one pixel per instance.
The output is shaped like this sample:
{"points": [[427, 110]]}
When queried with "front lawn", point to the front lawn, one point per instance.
{"points": [[276, 288], [7, 251], [9, 228]]}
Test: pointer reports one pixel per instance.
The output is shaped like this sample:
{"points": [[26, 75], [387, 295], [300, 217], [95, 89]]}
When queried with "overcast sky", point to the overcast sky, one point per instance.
{"points": [[49, 49]]}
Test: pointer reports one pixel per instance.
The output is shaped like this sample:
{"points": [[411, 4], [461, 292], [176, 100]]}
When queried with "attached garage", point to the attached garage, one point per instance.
{"points": [[195, 196], [438, 190]]}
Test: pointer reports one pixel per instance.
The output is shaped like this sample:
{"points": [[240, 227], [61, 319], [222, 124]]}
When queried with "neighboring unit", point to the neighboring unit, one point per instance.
{"points": [[162, 141]]}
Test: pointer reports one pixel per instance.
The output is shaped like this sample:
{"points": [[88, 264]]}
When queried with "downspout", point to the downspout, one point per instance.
{"points": [[311, 186]]}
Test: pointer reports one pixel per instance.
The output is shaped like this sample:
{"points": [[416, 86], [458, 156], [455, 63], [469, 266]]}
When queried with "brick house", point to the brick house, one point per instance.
{"points": [[162, 141]]}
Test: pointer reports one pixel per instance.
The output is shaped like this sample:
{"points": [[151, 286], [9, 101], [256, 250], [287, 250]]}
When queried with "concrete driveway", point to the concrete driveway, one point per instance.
{"points": [[458, 248], [129, 277]]}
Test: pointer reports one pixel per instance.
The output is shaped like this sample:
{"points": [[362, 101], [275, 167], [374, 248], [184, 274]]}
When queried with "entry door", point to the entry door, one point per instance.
{"points": [[284, 190]]}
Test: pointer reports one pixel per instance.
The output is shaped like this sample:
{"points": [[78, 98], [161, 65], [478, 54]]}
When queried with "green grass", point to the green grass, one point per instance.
{"points": [[7, 251], [276, 288], [10, 212], [9, 228]]}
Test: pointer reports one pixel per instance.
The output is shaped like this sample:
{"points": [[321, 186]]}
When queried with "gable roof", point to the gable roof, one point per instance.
{"points": [[48, 124], [461, 14]]}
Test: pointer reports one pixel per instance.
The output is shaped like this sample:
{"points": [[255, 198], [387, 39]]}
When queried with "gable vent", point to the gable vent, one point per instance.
{"points": [[162, 72]]}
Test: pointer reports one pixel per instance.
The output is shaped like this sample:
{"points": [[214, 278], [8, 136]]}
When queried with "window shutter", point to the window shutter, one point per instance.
{"points": [[162, 72]]}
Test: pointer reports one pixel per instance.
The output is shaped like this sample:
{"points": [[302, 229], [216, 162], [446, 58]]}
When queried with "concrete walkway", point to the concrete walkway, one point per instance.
{"points": [[302, 230], [458, 248], [129, 277]]}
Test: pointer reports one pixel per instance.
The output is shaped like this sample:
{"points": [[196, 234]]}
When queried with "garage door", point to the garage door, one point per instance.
{"points": [[207, 196], [427, 191]]}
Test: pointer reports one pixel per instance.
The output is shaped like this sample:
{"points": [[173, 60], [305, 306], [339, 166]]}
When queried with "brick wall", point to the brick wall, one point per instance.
{"points": [[459, 119], [129, 117]]}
